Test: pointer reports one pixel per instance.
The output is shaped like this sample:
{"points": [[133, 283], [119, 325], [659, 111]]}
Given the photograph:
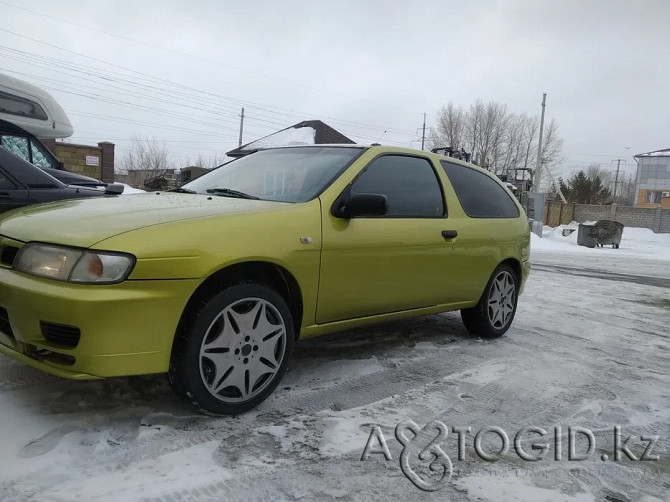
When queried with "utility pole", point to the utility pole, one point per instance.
{"points": [[538, 165], [241, 128], [616, 178], [423, 135]]}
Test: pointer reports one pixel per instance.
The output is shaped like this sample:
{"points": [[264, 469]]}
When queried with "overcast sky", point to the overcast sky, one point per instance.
{"points": [[361, 66]]}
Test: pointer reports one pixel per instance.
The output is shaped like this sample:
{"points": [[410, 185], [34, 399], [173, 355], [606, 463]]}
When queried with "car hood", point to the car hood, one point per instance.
{"points": [[83, 222]]}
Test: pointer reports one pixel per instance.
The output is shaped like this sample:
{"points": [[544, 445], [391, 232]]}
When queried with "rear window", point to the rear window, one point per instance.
{"points": [[479, 195]]}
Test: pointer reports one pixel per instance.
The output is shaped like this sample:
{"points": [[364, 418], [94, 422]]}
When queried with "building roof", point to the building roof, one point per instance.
{"points": [[657, 153], [307, 132]]}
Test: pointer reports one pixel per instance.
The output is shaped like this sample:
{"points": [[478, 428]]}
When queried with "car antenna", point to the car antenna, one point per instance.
{"points": [[380, 138]]}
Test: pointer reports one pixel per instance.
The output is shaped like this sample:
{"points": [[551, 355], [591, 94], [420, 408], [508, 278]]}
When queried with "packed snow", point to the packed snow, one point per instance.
{"points": [[589, 347], [635, 242]]}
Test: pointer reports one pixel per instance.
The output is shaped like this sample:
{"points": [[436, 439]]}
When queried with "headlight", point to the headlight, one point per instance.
{"points": [[74, 265]]}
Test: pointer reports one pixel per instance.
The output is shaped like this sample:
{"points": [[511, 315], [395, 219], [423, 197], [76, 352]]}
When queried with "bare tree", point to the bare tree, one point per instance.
{"points": [[553, 145], [208, 162], [503, 142], [531, 128], [474, 121], [625, 193], [551, 154], [451, 127], [596, 171], [145, 161]]}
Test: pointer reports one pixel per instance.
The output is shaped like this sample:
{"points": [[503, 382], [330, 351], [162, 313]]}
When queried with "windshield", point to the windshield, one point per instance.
{"points": [[285, 174]]}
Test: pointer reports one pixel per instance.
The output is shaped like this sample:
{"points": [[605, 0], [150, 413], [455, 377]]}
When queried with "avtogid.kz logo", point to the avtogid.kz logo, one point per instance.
{"points": [[531, 444]]}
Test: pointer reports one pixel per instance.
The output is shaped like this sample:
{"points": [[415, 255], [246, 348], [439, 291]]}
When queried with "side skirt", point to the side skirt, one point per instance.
{"points": [[332, 327]]}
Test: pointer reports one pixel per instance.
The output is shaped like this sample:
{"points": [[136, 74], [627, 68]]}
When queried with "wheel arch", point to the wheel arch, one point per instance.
{"points": [[259, 272], [515, 265]]}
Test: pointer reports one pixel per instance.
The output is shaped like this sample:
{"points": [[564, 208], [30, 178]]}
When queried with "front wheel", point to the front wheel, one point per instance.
{"points": [[233, 352], [493, 315]]}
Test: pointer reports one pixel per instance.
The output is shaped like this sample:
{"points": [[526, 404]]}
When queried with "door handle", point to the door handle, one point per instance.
{"points": [[449, 234]]}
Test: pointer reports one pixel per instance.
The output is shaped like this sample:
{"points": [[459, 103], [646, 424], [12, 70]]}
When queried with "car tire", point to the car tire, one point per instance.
{"points": [[231, 353], [494, 313]]}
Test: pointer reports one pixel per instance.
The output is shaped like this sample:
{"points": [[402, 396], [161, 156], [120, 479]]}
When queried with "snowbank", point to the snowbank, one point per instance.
{"points": [[640, 242]]}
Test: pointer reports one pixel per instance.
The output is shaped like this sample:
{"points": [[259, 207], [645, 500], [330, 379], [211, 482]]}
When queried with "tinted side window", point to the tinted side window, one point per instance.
{"points": [[410, 183], [479, 195]]}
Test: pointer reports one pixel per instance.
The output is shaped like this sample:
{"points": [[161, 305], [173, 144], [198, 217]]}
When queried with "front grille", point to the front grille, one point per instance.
{"points": [[5, 327], [61, 334], [7, 254]]}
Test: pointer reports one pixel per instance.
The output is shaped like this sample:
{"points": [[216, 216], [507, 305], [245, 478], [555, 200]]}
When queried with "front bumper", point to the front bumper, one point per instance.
{"points": [[126, 329]]}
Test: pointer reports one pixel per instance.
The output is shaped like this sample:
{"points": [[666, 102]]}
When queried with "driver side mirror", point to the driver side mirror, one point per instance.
{"points": [[363, 204]]}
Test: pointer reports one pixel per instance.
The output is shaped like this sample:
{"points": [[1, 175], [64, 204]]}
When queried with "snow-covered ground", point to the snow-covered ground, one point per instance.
{"points": [[635, 242], [590, 347]]}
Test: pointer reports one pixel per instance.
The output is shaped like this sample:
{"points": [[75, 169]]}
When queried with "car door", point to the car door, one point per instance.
{"points": [[486, 217], [12, 195], [395, 262]]}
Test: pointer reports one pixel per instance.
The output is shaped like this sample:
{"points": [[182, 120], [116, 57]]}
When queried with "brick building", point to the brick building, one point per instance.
{"points": [[652, 188], [94, 161]]}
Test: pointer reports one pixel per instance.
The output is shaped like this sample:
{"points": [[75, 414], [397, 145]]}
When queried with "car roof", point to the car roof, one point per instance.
{"points": [[384, 148]]}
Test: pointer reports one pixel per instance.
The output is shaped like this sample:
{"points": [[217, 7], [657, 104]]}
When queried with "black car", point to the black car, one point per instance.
{"points": [[25, 145], [21, 184]]}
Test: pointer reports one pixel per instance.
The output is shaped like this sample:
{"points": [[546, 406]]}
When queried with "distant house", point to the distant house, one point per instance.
{"points": [[652, 188], [308, 132], [150, 179], [189, 173]]}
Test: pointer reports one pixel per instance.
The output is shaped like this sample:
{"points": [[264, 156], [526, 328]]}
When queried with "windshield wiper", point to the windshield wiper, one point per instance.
{"points": [[182, 190], [229, 192]]}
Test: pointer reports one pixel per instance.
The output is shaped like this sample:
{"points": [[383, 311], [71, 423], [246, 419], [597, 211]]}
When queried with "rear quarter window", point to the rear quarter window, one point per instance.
{"points": [[480, 196]]}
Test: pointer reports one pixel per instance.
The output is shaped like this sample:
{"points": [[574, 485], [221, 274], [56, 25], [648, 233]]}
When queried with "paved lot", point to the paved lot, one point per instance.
{"points": [[589, 348]]}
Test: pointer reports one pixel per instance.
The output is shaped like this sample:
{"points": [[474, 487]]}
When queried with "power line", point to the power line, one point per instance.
{"points": [[140, 94], [138, 122], [173, 51], [119, 90], [185, 88]]}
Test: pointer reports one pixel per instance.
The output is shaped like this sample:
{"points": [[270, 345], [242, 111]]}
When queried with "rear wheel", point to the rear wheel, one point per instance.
{"points": [[234, 351], [494, 313]]}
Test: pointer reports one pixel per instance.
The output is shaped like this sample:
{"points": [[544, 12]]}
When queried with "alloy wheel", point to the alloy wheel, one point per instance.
{"points": [[502, 297], [242, 350]]}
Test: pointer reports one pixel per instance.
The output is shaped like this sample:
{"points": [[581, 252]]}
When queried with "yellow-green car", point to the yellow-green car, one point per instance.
{"points": [[212, 283]]}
